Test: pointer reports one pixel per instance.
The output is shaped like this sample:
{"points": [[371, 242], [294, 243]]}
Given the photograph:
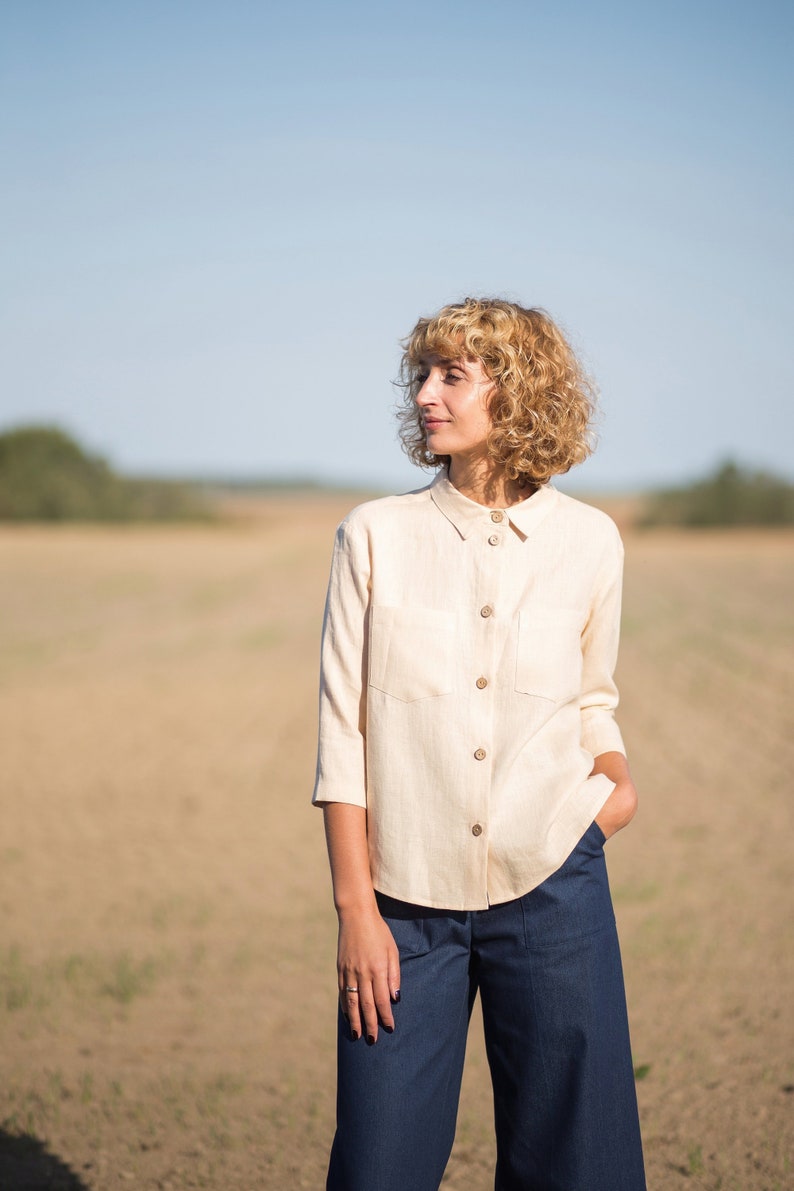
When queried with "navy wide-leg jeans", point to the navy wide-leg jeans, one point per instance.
{"points": [[547, 968]]}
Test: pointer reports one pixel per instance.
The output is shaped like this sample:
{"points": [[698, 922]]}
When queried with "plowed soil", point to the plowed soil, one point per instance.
{"points": [[167, 984]]}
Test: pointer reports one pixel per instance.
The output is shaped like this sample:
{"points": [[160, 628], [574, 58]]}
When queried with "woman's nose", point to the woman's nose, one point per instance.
{"points": [[425, 396]]}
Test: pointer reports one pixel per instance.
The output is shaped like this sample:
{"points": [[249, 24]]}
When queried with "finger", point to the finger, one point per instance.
{"points": [[368, 1011], [383, 1003], [394, 975], [349, 1003]]}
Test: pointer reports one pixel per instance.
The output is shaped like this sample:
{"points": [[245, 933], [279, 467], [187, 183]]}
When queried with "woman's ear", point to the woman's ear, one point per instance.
{"points": [[491, 398]]}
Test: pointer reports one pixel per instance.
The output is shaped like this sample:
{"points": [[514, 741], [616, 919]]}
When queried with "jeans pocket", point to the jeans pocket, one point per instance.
{"points": [[597, 834], [405, 922], [574, 901]]}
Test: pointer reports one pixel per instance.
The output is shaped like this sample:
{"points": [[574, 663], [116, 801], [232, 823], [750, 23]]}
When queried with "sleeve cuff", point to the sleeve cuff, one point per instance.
{"points": [[602, 735], [322, 798]]}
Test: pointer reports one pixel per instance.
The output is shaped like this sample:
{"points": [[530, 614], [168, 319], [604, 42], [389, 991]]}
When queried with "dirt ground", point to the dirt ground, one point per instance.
{"points": [[167, 985]]}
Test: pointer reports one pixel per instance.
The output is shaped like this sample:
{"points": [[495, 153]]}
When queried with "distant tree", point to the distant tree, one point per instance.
{"points": [[45, 475], [731, 496]]}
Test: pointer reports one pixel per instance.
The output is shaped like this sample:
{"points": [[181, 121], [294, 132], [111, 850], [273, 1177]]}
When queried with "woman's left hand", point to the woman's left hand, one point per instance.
{"points": [[621, 806]]}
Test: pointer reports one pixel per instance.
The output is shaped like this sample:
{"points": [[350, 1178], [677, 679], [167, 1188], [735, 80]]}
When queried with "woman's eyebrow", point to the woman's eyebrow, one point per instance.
{"points": [[443, 362], [463, 365]]}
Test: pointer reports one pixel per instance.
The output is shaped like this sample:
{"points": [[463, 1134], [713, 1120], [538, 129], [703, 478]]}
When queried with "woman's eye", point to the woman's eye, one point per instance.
{"points": [[452, 377], [421, 377]]}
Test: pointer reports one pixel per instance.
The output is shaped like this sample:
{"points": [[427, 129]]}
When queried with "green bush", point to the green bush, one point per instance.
{"points": [[731, 496], [45, 475]]}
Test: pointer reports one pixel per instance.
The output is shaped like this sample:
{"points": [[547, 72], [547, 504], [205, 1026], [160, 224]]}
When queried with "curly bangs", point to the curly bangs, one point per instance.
{"points": [[543, 403]]}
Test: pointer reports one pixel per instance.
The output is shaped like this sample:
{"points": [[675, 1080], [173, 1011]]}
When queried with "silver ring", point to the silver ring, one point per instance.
{"points": [[350, 988]]}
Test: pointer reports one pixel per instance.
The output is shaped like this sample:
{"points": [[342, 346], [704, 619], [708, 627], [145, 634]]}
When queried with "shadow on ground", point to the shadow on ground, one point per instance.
{"points": [[27, 1165]]}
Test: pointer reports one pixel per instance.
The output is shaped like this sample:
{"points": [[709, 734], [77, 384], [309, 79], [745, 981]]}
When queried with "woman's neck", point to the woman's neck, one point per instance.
{"points": [[487, 485]]}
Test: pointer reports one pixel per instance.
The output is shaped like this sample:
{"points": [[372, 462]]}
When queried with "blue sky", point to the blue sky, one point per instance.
{"points": [[220, 218]]}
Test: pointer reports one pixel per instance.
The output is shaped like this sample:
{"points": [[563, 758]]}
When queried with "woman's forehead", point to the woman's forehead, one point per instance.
{"points": [[436, 358]]}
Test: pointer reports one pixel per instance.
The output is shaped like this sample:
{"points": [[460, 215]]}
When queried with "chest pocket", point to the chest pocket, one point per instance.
{"points": [[411, 652], [549, 654]]}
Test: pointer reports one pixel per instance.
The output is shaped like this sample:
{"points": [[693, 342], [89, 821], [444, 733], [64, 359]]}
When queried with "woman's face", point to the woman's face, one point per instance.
{"points": [[453, 402]]}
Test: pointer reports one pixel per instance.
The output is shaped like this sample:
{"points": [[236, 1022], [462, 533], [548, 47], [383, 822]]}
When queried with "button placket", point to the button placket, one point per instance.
{"points": [[491, 574]]}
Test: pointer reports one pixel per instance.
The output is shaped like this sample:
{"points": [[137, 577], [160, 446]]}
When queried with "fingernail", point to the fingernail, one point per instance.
{"points": [[370, 1039], [389, 1029], [354, 1035], [396, 996]]}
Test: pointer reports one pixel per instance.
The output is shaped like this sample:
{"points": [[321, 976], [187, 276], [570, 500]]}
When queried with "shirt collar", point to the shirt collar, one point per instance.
{"points": [[466, 515]]}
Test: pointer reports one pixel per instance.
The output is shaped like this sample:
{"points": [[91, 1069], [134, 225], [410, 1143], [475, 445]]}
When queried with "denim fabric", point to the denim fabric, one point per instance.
{"points": [[547, 968]]}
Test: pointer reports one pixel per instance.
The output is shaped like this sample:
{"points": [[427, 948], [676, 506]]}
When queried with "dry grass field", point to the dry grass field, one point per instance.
{"points": [[167, 985]]}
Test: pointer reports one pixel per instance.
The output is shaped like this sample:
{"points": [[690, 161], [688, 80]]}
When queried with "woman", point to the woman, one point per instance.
{"points": [[470, 770]]}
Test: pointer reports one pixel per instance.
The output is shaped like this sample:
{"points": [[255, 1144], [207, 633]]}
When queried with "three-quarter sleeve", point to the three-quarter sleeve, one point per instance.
{"points": [[341, 753], [599, 697]]}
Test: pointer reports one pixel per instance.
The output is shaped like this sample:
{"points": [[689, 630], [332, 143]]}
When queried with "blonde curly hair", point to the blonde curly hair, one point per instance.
{"points": [[543, 403]]}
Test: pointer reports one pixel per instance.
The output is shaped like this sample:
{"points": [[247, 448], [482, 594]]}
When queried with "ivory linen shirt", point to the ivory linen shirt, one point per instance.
{"points": [[467, 685]]}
